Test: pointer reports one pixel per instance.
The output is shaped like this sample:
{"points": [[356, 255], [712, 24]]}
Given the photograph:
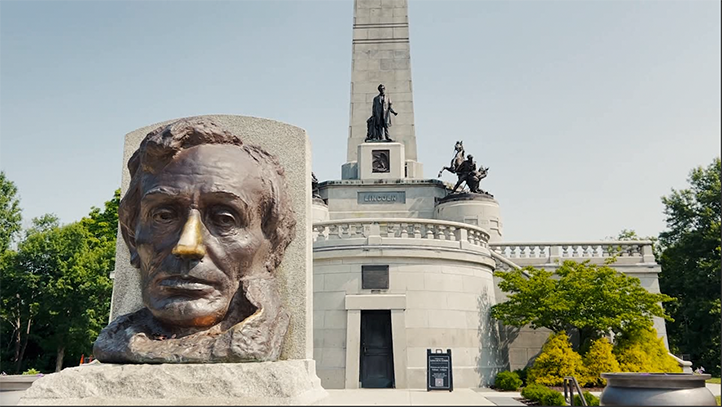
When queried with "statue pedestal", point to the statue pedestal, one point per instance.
{"points": [[286, 382], [383, 160]]}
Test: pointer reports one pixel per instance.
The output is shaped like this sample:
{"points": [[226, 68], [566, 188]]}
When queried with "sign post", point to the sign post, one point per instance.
{"points": [[439, 374]]}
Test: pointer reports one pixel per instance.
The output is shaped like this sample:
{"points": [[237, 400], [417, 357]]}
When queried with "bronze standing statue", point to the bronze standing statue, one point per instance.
{"points": [[377, 126], [206, 219]]}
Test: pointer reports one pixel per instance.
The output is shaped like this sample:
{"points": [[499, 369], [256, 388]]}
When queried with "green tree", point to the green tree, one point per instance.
{"points": [[21, 280], [690, 259], [56, 287], [10, 214], [590, 299]]}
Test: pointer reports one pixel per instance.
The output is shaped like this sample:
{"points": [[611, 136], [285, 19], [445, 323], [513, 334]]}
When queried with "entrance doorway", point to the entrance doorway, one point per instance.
{"points": [[377, 359]]}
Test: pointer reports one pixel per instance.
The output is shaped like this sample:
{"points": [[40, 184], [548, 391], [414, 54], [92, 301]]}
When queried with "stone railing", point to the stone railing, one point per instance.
{"points": [[399, 231], [628, 251]]}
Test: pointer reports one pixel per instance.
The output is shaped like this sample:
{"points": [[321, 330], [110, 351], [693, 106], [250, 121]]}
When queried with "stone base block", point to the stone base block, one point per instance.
{"points": [[414, 169], [384, 160], [349, 170], [287, 382]]}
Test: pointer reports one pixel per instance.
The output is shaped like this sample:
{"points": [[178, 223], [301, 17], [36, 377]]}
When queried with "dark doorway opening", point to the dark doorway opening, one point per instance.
{"points": [[377, 357]]}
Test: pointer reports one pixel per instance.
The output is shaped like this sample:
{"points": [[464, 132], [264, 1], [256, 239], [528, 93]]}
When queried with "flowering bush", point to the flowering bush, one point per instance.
{"points": [[643, 351], [599, 359], [557, 360]]}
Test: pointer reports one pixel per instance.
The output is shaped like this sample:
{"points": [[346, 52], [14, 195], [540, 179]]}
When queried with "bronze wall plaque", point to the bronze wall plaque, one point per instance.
{"points": [[375, 277], [380, 161]]}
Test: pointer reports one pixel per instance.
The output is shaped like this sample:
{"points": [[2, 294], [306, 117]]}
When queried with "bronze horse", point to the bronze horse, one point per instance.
{"points": [[457, 160]]}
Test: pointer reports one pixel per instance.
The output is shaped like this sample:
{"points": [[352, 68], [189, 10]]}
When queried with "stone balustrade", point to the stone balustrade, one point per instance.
{"points": [[399, 232], [628, 251]]}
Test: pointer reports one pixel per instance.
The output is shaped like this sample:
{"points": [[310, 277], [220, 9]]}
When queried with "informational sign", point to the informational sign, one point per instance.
{"points": [[439, 374], [391, 197]]}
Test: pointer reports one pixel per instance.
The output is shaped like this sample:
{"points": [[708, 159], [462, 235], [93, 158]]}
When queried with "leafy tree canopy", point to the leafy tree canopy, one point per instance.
{"points": [[593, 300], [690, 259], [56, 289], [10, 213]]}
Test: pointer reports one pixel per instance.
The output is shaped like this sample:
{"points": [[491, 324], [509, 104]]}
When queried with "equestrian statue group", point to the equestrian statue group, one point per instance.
{"points": [[377, 130], [465, 170]]}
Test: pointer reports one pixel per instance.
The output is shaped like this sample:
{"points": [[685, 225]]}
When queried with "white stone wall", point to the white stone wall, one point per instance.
{"points": [[342, 198], [481, 212], [447, 304]]}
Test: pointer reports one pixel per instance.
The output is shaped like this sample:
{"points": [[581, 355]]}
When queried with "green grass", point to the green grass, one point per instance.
{"points": [[718, 400], [715, 380]]}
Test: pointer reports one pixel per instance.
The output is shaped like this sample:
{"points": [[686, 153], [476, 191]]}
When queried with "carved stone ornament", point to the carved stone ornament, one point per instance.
{"points": [[206, 219], [380, 161]]}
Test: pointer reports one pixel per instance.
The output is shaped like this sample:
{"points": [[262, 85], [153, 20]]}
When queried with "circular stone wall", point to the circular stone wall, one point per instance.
{"points": [[474, 209]]}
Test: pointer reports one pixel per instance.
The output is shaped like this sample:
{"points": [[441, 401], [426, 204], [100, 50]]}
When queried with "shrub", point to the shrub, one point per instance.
{"points": [[557, 360], [553, 398], [507, 380], [643, 351], [599, 359], [31, 371], [522, 375], [534, 392], [543, 394], [591, 399]]}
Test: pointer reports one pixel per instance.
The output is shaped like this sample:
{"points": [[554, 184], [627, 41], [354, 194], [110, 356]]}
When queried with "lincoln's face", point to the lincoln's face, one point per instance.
{"points": [[199, 232]]}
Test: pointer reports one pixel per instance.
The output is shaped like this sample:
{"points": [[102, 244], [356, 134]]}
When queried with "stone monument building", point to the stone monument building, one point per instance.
{"points": [[400, 265]]}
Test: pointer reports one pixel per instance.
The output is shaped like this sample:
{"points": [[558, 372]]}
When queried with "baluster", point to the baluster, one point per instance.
{"points": [[470, 236], [522, 251], [441, 232], [572, 251], [315, 233], [404, 231], [585, 251], [333, 231], [452, 233], [343, 231], [429, 231], [512, 253], [606, 250], [565, 253], [417, 231]]}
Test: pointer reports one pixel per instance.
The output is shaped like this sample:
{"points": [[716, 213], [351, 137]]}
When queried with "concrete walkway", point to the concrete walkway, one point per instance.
{"points": [[398, 397], [404, 397]]}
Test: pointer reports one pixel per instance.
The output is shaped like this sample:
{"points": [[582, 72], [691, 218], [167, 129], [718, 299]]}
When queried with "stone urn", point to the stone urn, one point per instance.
{"points": [[656, 389]]}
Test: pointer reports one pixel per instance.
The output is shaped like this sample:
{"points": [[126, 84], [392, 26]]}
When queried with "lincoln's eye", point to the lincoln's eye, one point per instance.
{"points": [[223, 218], [164, 215]]}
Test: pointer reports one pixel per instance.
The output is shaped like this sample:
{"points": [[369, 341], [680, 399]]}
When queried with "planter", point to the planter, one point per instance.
{"points": [[17, 382], [656, 389]]}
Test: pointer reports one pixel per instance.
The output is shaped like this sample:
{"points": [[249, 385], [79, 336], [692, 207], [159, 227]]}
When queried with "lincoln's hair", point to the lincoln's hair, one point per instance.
{"points": [[160, 147]]}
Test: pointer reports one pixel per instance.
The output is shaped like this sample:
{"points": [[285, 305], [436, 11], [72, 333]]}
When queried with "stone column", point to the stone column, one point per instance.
{"points": [[381, 56]]}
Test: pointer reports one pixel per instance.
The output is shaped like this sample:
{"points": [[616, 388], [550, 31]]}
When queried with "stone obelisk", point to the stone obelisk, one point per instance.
{"points": [[381, 55]]}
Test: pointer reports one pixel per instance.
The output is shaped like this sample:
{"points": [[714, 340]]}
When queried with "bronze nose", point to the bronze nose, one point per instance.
{"points": [[190, 244]]}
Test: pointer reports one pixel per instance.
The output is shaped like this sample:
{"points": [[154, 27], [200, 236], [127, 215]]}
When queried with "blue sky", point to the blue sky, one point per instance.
{"points": [[586, 112]]}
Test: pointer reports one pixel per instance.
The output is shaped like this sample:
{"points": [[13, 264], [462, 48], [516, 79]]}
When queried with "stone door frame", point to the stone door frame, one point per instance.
{"points": [[389, 302]]}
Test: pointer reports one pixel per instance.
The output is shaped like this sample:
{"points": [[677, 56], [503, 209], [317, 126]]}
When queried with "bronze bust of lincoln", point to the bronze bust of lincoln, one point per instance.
{"points": [[206, 219]]}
